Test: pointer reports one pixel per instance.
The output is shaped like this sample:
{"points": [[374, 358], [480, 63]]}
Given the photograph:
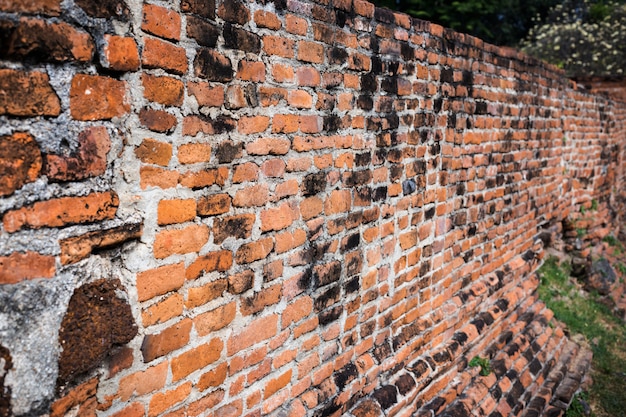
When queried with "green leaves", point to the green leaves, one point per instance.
{"points": [[485, 366]]}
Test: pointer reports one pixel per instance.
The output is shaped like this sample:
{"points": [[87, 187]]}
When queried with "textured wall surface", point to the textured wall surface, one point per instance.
{"points": [[284, 207]]}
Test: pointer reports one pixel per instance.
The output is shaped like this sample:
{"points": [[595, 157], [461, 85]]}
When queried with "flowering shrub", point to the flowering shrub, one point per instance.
{"points": [[583, 37]]}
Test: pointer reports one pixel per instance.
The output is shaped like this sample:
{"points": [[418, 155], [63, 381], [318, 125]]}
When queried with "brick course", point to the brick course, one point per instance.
{"points": [[315, 208]]}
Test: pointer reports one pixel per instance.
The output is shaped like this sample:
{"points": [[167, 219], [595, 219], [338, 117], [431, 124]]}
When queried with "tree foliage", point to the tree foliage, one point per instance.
{"points": [[584, 37], [501, 22]]}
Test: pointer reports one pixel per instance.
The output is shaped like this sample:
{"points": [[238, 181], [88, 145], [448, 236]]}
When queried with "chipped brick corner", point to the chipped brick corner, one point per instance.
{"points": [[287, 208]]}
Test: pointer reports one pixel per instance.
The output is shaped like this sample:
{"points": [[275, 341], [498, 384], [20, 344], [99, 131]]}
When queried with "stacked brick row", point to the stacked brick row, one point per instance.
{"points": [[281, 208]]}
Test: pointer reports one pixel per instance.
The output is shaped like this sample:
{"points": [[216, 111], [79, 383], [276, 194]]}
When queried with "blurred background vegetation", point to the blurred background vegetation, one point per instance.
{"points": [[584, 37]]}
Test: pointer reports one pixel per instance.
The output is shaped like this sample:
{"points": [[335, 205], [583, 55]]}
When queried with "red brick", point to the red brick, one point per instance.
{"points": [[170, 339], [18, 267], [269, 146], [176, 211], [296, 25], [162, 401], [192, 125], [282, 73], [279, 218], [300, 99], [95, 97], [162, 311], [46, 7], [20, 162], [296, 311], [253, 124], [152, 151], [180, 241], [90, 160], [27, 94], [212, 261], [257, 331], [206, 94], [197, 296], [311, 52], [251, 71], [63, 211], [245, 172], [193, 153], [196, 358], [160, 281], [254, 196], [76, 397], [204, 178], [308, 77], [273, 385], [207, 402], [339, 201], [278, 45], [311, 207], [213, 378], [214, 204], [133, 410], [143, 382], [157, 177], [157, 120], [285, 123], [164, 90], [266, 20], [241, 282], [287, 241], [254, 251], [162, 22], [216, 319], [161, 54], [120, 53]]}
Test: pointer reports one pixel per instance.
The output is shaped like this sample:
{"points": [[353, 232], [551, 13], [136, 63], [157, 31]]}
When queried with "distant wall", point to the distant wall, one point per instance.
{"points": [[275, 207]]}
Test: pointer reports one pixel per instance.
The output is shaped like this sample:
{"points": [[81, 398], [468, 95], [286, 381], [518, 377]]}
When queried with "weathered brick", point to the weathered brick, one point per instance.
{"points": [[240, 283], [198, 296], [143, 382], [275, 384], [162, 401], [242, 40], [311, 52], [158, 177], [234, 11], [206, 94], [259, 330], [152, 151], [95, 97], [106, 9], [160, 281], [205, 33], [216, 319], [180, 241], [18, 267], [77, 248], [165, 90], [213, 66], [278, 45], [162, 54], [63, 211], [46, 7], [162, 22], [296, 25], [133, 410], [78, 397], [256, 195], [170, 339], [35, 39], [89, 160], [27, 94], [196, 358], [213, 205], [213, 261], [279, 218], [253, 124], [157, 120], [20, 162], [162, 311], [120, 53], [239, 227], [213, 378], [254, 251], [251, 71], [193, 153], [266, 19], [204, 8]]}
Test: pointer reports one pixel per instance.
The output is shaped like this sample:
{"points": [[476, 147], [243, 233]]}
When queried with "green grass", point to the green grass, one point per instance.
{"points": [[586, 315], [485, 366], [614, 243]]}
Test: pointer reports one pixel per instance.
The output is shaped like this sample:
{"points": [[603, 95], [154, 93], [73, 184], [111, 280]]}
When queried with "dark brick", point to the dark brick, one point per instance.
{"points": [[107, 9], [405, 384], [237, 38], [157, 120], [234, 11], [204, 8], [386, 396], [213, 66], [20, 162], [345, 375], [96, 320], [205, 33], [5, 391], [228, 151]]}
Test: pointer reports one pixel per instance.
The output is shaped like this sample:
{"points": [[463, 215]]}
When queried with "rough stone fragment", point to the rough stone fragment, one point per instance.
{"points": [[601, 277], [96, 320], [20, 162], [5, 392], [74, 249]]}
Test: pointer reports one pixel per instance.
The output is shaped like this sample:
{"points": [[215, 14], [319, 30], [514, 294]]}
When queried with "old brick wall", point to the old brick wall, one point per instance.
{"points": [[283, 207]]}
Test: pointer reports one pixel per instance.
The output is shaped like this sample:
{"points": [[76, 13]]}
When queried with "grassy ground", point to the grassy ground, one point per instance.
{"points": [[585, 314]]}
